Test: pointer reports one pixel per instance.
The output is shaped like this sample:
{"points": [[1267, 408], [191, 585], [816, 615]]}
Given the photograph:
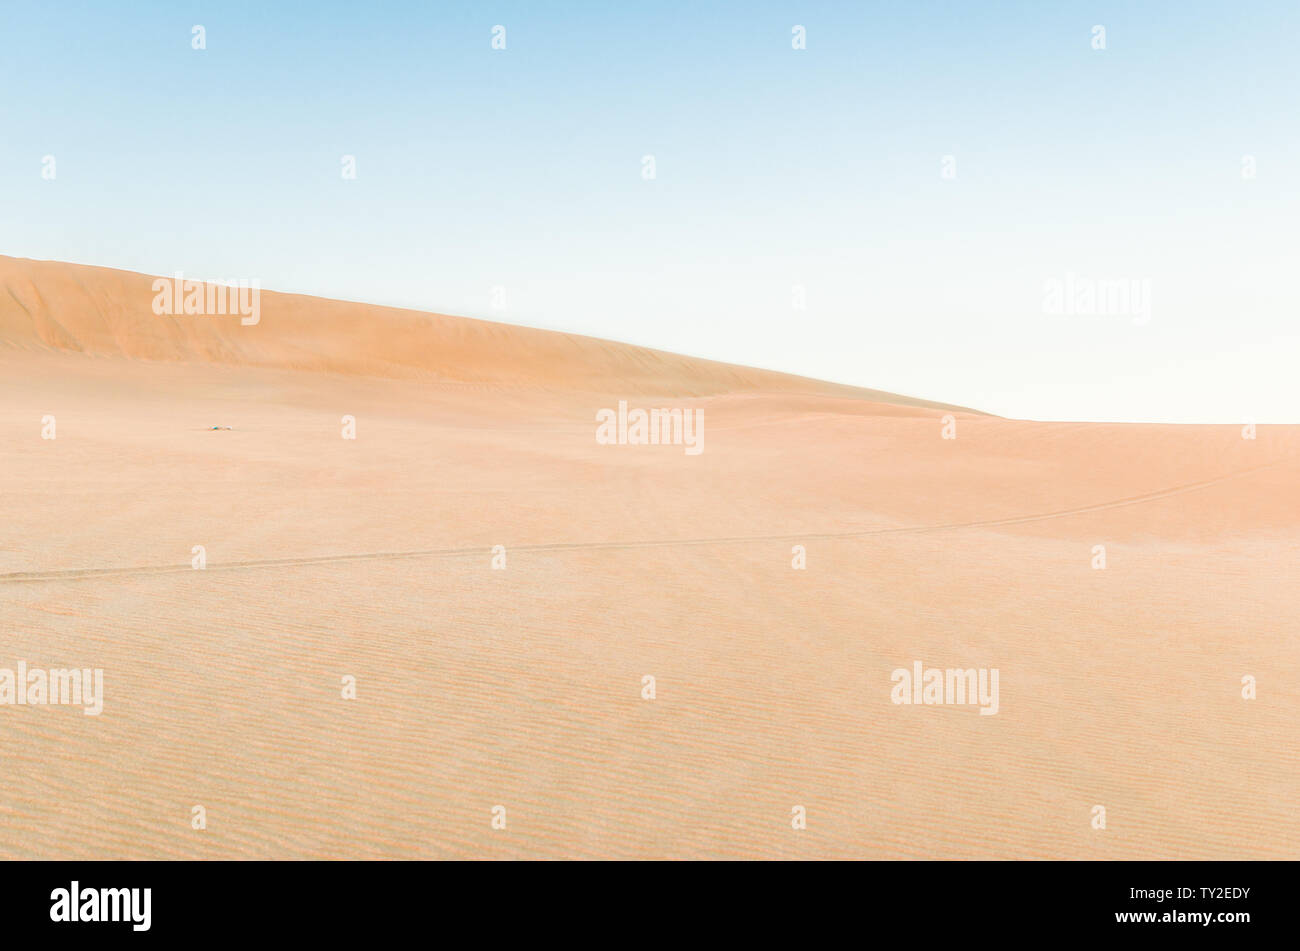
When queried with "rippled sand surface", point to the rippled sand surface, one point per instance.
{"points": [[522, 687]]}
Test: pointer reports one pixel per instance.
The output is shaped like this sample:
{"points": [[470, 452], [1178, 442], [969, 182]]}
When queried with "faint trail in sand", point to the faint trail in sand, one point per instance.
{"points": [[78, 574]]}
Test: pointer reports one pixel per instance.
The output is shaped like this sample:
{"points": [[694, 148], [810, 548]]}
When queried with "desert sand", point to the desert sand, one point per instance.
{"points": [[522, 686]]}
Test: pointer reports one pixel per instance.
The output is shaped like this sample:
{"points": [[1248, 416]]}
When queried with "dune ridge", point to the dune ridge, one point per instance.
{"points": [[99, 311]]}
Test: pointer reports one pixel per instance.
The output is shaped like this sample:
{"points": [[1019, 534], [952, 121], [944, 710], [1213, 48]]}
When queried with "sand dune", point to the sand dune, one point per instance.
{"points": [[522, 687], [104, 312]]}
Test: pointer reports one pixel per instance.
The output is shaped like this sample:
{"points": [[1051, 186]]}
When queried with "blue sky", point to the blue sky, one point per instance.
{"points": [[775, 168]]}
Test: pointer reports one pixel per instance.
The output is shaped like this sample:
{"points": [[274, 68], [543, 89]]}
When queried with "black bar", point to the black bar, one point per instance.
{"points": [[332, 901]]}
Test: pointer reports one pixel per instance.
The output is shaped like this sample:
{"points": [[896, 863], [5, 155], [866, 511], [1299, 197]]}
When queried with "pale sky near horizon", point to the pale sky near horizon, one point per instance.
{"points": [[776, 169]]}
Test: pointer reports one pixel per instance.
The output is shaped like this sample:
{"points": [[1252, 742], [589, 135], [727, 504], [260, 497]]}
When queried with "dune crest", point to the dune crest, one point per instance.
{"points": [[99, 311]]}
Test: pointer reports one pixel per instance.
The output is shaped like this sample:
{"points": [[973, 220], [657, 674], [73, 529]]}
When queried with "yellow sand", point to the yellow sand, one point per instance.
{"points": [[372, 558]]}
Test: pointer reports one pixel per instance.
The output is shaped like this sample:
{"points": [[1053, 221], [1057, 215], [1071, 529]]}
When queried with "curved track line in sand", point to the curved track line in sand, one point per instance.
{"points": [[78, 574]]}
